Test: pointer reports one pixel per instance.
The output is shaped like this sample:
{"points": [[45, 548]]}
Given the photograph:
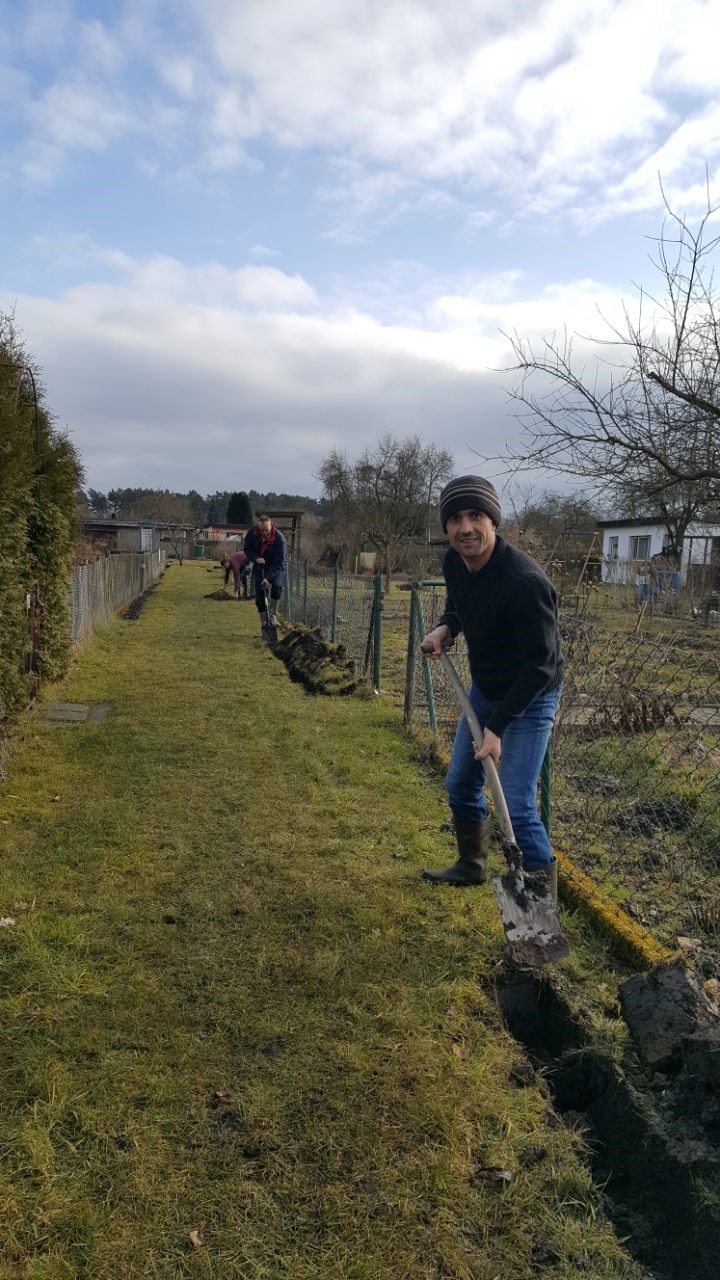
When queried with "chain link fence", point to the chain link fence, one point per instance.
{"points": [[344, 608], [636, 775], [98, 590], [634, 765], [631, 595]]}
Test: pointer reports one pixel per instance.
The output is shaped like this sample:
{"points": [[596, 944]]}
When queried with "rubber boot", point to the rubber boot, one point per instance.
{"points": [[542, 881], [473, 839]]}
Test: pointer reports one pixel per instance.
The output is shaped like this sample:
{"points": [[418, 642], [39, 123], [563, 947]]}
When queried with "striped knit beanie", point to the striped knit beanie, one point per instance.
{"points": [[469, 493]]}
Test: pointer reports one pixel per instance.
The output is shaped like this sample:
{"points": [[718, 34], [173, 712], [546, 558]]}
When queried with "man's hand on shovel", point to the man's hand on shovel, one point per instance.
{"points": [[435, 644], [490, 746]]}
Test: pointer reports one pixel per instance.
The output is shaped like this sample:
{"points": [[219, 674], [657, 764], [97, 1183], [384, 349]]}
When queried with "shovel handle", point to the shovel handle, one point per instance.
{"points": [[491, 773]]}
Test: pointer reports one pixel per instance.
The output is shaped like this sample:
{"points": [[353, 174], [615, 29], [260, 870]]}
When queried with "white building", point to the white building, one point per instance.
{"points": [[629, 545]]}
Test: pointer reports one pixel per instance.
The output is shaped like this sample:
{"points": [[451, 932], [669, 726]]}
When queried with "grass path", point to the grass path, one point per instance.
{"points": [[238, 1037]]}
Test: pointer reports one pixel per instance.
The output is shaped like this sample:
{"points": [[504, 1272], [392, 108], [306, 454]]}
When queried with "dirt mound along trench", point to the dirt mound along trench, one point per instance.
{"points": [[319, 666]]}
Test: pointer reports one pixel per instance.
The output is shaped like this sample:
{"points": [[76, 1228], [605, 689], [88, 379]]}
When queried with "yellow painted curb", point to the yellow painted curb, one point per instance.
{"points": [[634, 942]]}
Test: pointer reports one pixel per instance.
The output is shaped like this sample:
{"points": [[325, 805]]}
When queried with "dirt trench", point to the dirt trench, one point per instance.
{"points": [[657, 1185]]}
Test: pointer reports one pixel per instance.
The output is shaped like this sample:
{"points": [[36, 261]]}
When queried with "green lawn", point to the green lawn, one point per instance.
{"points": [[239, 1038]]}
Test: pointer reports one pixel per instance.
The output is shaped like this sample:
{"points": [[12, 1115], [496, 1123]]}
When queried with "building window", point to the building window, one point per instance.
{"points": [[640, 547], [613, 548]]}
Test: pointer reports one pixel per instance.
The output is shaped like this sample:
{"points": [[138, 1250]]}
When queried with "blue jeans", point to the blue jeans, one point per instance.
{"points": [[523, 750]]}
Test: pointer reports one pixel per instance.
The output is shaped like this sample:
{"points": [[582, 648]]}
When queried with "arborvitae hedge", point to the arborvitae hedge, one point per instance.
{"points": [[39, 475]]}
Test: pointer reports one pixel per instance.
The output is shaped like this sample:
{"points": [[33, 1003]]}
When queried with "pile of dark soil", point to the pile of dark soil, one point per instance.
{"points": [[319, 666], [220, 594], [137, 605]]}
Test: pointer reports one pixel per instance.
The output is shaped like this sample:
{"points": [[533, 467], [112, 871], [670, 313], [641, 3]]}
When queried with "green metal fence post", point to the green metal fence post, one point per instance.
{"points": [[333, 623], [305, 593], [288, 591], [546, 788], [410, 664], [427, 674], [377, 630]]}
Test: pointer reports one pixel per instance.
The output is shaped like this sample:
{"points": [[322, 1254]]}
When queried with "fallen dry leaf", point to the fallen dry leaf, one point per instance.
{"points": [[7, 922], [689, 943], [221, 1096], [496, 1175], [460, 1051], [195, 1239], [55, 799]]}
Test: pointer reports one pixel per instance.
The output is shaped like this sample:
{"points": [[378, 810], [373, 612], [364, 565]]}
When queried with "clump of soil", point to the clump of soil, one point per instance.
{"points": [[675, 1024], [137, 605], [319, 666], [220, 594], [668, 815]]}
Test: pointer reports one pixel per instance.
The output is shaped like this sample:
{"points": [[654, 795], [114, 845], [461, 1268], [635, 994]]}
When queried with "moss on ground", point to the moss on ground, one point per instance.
{"points": [[239, 1038]]}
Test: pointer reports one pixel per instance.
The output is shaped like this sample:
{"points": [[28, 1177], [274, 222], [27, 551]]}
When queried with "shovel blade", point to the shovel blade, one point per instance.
{"points": [[532, 928]]}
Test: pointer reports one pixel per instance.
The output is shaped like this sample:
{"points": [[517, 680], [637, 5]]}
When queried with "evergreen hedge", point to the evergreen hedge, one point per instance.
{"points": [[39, 475]]}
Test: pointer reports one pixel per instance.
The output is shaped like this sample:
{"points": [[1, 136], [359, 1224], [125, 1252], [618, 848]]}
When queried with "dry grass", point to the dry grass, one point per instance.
{"points": [[230, 1007]]}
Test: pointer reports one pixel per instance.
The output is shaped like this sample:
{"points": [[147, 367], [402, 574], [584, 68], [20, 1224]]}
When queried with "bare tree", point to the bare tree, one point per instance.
{"points": [[173, 515], [388, 493], [643, 418]]}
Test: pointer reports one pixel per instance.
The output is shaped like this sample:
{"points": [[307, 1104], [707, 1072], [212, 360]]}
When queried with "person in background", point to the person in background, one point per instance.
{"points": [[237, 565], [506, 608], [266, 549]]}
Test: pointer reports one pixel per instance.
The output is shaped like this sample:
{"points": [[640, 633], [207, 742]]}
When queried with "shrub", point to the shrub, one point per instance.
{"points": [[39, 475]]}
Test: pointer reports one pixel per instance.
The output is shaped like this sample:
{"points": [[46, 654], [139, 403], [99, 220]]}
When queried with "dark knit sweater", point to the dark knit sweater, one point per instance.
{"points": [[507, 612]]}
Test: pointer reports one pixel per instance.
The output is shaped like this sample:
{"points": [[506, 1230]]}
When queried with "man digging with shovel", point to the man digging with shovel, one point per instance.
{"points": [[507, 610], [266, 548]]}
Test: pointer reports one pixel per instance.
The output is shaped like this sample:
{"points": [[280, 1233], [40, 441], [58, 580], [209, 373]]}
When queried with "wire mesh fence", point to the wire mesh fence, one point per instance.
{"points": [[635, 764], [637, 595], [99, 589], [636, 774], [344, 608]]}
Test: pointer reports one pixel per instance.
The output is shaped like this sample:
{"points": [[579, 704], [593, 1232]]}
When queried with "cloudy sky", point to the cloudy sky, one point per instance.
{"points": [[237, 233]]}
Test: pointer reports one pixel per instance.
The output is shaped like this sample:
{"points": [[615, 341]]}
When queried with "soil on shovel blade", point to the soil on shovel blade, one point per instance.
{"points": [[319, 666]]}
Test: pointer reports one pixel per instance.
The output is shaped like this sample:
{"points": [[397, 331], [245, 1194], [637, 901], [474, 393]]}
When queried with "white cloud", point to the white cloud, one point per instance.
{"points": [[554, 100], [534, 109], [176, 375], [99, 51], [180, 73], [46, 26], [69, 117]]}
